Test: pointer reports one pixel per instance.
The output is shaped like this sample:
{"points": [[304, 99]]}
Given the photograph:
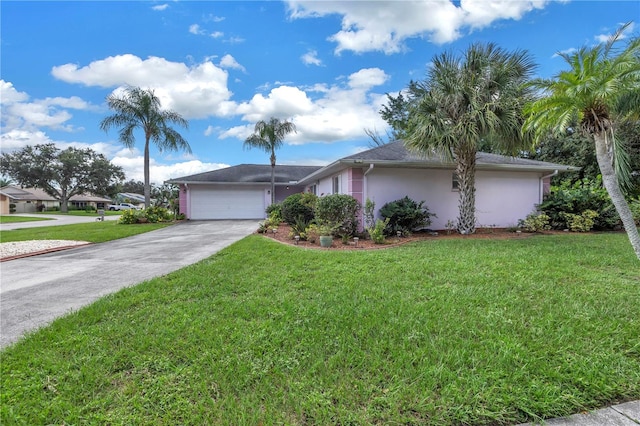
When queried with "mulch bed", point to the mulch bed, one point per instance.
{"points": [[283, 236]]}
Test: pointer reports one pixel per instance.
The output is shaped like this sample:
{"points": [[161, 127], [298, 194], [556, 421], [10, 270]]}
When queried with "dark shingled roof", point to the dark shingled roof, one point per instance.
{"points": [[397, 152], [250, 173]]}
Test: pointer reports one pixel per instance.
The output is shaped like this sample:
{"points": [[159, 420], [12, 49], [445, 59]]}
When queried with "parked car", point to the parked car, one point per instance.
{"points": [[123, 206]]}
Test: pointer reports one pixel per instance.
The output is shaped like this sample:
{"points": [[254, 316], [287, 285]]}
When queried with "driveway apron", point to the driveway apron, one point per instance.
{"points": [[36, 290]]}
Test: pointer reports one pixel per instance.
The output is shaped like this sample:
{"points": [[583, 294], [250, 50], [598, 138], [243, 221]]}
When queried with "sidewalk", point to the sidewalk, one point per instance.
{"points": [[627, 414]]}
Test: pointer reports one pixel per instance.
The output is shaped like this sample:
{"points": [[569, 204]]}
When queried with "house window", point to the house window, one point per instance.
{"points": [[455, 182], [313, 189], [335, 185]]}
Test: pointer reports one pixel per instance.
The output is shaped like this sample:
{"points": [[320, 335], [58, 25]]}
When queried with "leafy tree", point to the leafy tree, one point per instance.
{"points": [[396, 112], [269, 136], [166, 195], [469, 102], [5, 182], [137, 108], [61, 173], [133, 187], [576, 149], [600, 89]]}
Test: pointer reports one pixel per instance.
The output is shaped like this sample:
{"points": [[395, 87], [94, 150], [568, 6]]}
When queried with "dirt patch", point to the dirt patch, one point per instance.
{"points": [[283, 235]]}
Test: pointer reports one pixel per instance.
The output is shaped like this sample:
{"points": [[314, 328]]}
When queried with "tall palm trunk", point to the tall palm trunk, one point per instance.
{"points": [[273, 177], [465, 169], [610, 182], [147, 179]]}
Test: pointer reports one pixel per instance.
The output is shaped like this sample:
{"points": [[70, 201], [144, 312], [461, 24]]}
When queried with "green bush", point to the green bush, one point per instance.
{"points": [[376, 232], [405, 215], [634, 206], [298, 205], [153, 214], [89, 209], [340, 212], [274, 212], [581, 222], [311, 234], [129, 217], [535, 222], [576, 198]]}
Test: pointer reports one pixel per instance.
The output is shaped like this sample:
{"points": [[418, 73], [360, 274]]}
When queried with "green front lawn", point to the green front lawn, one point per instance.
{"points": [[93, 232], [17, 219], [442, 332]]}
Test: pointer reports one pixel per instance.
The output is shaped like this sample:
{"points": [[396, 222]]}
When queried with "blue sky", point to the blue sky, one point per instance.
{"points": [[225, 65]]}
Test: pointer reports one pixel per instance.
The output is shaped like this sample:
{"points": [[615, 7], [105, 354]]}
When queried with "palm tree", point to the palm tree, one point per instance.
{"points": [[269, 136], [600, 90], [467, 102], [137, 108]]}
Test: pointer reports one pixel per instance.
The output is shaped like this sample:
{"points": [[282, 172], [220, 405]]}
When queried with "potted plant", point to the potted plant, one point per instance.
{"points": [[326, 235]]}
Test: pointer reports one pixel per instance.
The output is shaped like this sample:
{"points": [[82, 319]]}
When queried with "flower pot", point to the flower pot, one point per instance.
{"points": [[326, 240]]}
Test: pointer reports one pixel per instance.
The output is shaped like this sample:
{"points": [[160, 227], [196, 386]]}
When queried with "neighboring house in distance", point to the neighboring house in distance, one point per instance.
{"points": [[29, 200], [507, 188], [130, 197]]}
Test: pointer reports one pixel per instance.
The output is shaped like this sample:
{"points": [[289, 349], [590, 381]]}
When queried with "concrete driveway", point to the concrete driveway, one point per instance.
{"points": [[38, 289]]}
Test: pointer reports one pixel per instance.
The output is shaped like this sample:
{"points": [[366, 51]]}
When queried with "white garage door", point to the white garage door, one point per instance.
{"points": [[221, 203]]}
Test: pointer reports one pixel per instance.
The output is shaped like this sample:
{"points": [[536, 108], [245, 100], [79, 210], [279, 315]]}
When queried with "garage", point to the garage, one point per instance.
{"points": [[214, 202], [237, 192]]}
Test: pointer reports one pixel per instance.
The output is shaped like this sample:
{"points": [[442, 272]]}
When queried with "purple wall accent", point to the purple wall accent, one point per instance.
{"points": [[182, 205], [283, 192], [355, 184]]}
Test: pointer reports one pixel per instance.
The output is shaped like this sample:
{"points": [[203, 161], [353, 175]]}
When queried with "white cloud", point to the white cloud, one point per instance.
{"points": [[195, 29], [229, 61], [196, 91], [217, 34], [385, 25], [603, 38], [19, 114], [311, 58], [160, 7], [132, 162], [9, 94], [322, 113]]}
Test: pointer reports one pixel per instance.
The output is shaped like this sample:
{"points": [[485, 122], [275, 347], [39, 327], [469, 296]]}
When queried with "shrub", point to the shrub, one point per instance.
{"points": [[581, 222], [376, 232], [153, 214], [311, 234], [12, 208], [634, 206], [274, 212], [340, 212], [89, 209], [405, 215], [298, 205], [369, 214], [129, 217], [535, 222], [576, 198], [299, 227]]}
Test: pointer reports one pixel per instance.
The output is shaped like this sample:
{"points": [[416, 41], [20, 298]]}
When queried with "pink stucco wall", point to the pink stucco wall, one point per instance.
{"points": [[182, 200], [502, 197]]}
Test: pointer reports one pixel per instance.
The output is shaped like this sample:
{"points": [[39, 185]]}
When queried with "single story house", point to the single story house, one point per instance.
{"points": [[31, 200], [507, 188], [238, 192]]}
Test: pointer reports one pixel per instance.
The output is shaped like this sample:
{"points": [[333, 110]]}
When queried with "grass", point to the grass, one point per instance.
{"points": [[17, 219], [443, 332], [93, 232]]}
